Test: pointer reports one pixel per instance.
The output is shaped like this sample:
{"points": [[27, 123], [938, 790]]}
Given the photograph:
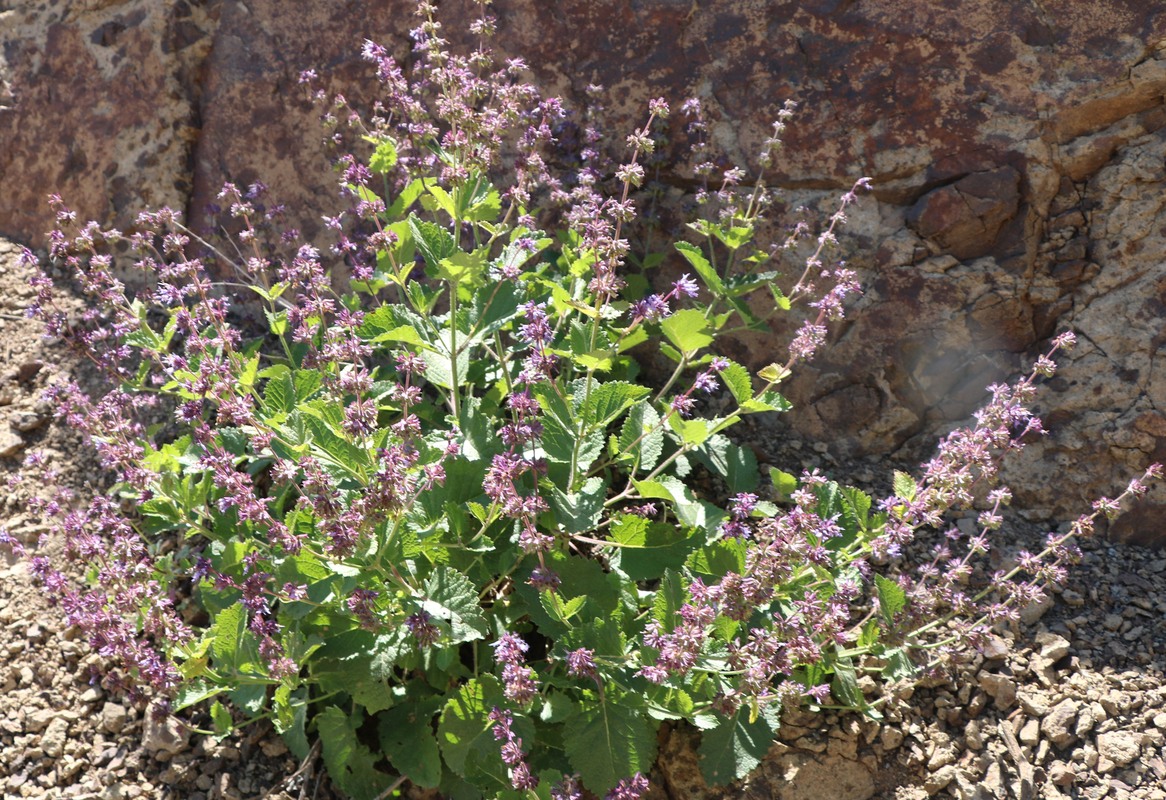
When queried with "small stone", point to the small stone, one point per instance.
{"points": [[994, 648], [890, 738], [10, 444], [1031, 613], [1000, 687], [38, 720], [1062, 774], [27, 371], [113, 717], [1160, 721], [53, 739], [26, 421], [1112, 622], [937, 781], [166, 736], [1052, 646], [1056, 726], [1120, 747], [1035, 704], [1030, 733]]}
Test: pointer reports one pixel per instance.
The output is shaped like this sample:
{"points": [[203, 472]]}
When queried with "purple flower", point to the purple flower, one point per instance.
{"points": [[686, 286], [581, 663]]}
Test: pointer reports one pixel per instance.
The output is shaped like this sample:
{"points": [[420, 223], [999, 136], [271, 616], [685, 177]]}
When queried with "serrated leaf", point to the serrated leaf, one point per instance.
{"points": [[451, 597], [892, 598], [774, 373], [634, 436], [703, 268], [608, 400], [736, 465], [406, 737], [350, 763], [905, 486], [610, 742], [737, 379], [783, 482], [844, 686], [229, 627], [384, 158], [434, 241], [580, 511], [735, 747], [687, 329], [899, 665], [465, 734], [649, 548]]}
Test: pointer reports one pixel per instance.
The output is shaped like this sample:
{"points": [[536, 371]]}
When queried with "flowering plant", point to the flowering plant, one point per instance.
{"points": [[435, 520]]}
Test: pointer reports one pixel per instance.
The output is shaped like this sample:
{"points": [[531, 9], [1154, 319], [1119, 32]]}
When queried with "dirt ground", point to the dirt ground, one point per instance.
{"points": [[1072, 706]]}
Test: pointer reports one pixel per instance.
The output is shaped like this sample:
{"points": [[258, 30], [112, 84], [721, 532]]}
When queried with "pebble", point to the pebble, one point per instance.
{"points": [[1056, 724], [1119, 747]]}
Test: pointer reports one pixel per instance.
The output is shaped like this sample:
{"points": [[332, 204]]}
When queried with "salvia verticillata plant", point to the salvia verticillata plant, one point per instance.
{"points": [[428, 514]]}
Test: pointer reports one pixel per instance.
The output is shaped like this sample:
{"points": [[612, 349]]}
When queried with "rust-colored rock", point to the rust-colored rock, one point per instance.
{"points": [[1016, 151]]}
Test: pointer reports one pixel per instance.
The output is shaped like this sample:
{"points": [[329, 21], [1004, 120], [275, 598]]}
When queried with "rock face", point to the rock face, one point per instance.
{"points": [[1017, 160]]}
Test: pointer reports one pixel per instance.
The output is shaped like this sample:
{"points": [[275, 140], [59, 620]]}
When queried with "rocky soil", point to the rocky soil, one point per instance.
{"points": [[1074, 705]]}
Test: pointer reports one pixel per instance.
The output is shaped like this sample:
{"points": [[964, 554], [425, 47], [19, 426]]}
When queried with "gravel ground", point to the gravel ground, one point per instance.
{"points": [[1073, 705]]}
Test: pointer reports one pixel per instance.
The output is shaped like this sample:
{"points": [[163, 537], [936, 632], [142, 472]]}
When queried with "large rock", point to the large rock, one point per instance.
{"points": [[1016, 157]]}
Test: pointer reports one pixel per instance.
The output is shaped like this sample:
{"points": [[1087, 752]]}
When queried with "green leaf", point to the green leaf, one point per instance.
{"points": [[737, 379], [441, 199], [229, 628], [892, 598], [384, 158], [406, 737], [768, 400], [580, 511], [434, 241], [703, 268], [687, 329], [450, 596], [221, 718], [350, 763], [774, 373], [689, 510], [736, 465], [460, 267], [844, 687], [649, 548], [634, 438], [691, 431], [465, 733], [785, 483], [899, 666], [905, 486], [610, 742], [734, 748], [608, 400]]}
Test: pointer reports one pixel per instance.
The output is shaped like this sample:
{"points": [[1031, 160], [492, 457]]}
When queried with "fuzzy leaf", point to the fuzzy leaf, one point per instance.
{"points": [[905, 487], [434, 241], [450, 596], [634, 438], [737, 379], [608, 400], [687, 329], [610, 742], [580, 511], [892, 598], [350, 763], [406, 737], [384, 158], [735, 747]]}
